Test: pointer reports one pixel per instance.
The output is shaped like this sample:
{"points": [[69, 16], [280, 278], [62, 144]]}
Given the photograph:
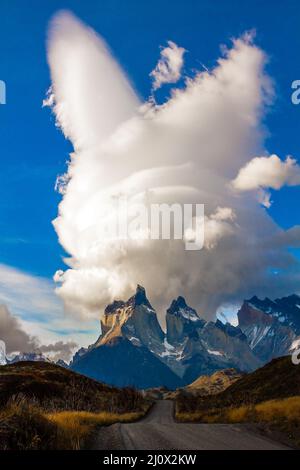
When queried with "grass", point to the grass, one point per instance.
{"points": [[43, 406], [281, 415], [74, 427], [25, 426], [269, 396]]}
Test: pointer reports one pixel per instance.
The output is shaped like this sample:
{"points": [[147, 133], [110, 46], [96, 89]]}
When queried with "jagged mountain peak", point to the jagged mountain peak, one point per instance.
{"points": [[132, 336], [140, 298], [177, 304], [290, 299], [134, 319], [180, 308], [270, 326]]}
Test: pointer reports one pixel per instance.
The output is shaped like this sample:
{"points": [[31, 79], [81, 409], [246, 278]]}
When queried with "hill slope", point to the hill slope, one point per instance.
{"points": [[55, 387], [215, 383], [278, 379]]}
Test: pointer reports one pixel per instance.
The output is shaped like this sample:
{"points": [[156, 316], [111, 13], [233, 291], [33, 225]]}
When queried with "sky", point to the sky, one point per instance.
{"points": [[34, 151]]}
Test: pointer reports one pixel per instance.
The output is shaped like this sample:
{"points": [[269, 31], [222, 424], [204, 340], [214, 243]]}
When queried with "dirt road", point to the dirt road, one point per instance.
{"points": [[158, 431]]}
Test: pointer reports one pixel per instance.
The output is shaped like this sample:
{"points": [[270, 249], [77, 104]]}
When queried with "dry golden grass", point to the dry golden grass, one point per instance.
{"points": [[24, 425], [288, 408], [268, 411], [74, 427], [282, 415]]}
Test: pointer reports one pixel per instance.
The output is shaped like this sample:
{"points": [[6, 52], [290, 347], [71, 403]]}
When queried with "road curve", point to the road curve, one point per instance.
{"points": [[158, 431]]}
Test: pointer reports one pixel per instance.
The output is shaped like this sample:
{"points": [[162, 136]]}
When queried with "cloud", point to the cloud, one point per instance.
{"points": [[187, 150], [38, 311], [268, 172], [80, 105], [59, 350], [11, 332], [27, 295], [17, 339], [168, 69]]}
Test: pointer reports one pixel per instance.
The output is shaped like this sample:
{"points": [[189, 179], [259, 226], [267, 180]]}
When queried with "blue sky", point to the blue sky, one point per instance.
{"points": [[33, 152]]}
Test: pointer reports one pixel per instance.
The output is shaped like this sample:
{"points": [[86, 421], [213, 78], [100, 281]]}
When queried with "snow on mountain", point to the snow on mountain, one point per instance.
{"points": [[32, 356], [271, 327], [189, 347], [3, 359]]}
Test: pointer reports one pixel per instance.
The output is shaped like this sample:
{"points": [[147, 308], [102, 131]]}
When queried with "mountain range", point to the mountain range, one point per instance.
{"points": [[132, 348]]}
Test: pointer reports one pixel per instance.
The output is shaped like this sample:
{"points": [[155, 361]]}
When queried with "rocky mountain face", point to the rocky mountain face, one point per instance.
{"points": [[134, 350], [272, 328], [126, 353]]}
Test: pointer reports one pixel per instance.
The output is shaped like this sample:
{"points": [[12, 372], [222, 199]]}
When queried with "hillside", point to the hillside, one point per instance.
{"points": [[56, 387], [278, 379], [269, 396], [215, 383], [45, 406]]}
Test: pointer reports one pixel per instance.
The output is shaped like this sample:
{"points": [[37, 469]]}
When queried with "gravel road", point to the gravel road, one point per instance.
{"points": [[159, 431]]}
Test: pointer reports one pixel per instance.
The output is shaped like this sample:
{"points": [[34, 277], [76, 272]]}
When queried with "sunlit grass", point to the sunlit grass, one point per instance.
{"points": [[282, 414], [75, 426], [268, 411]]}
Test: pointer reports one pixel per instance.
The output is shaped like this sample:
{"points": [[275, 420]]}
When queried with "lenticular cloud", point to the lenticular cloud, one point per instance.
{"points": [[187, 150]]}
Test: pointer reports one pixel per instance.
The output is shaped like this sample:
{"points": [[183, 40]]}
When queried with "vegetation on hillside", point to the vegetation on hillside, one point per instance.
{"points": [[44, 406], [270, 396]]}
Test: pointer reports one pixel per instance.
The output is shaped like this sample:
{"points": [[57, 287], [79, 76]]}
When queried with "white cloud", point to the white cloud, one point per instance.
{"points": [[185, 151], [28, 295], [263, 173], [168, 68], [268, 172], [34, 314]]}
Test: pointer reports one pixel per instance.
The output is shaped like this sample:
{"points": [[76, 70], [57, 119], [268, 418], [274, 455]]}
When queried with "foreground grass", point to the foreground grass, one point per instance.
{"points": [[75, 427], [281, 414], [25, 426]]}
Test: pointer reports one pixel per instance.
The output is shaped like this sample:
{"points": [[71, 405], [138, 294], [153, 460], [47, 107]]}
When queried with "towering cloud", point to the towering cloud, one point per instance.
{"points": [[187, 150]]}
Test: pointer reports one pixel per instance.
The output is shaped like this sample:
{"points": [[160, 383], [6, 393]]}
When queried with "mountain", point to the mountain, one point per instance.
{"points": [[135, 320], [120, 363], [62, 363], [132, 348], [215, 383], [32, 356], [271, 327], [3, 359], [196, 347]]}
